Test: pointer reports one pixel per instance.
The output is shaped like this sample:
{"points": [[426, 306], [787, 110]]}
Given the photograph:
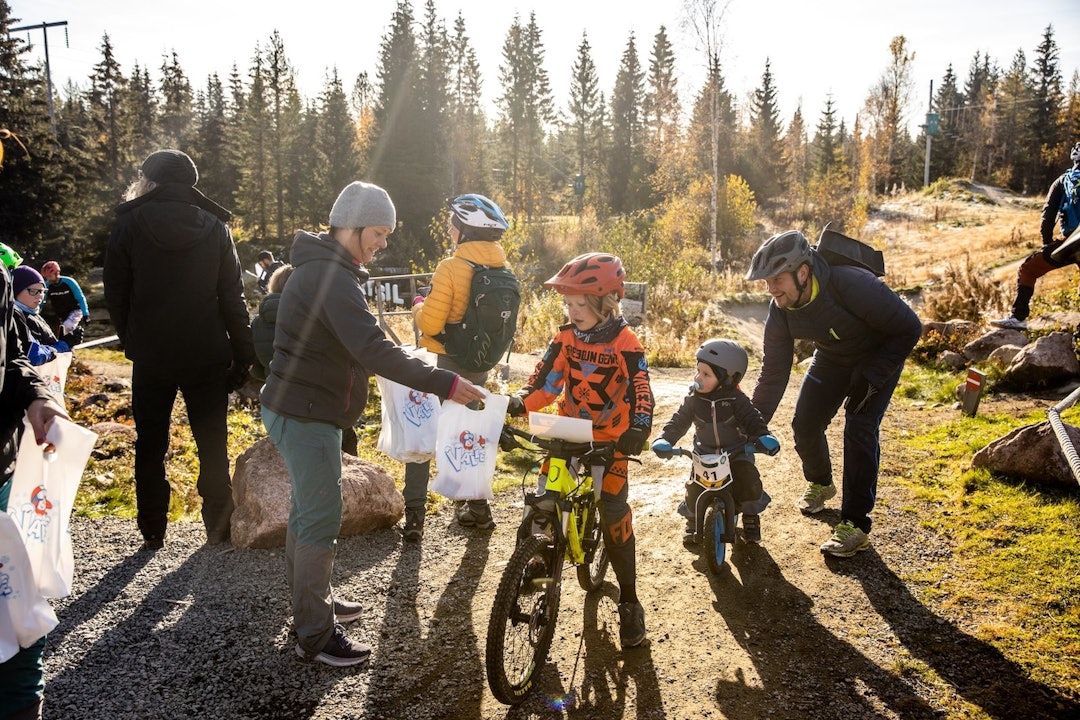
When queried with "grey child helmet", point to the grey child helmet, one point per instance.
{"points": [[784, 252], [727, 358]]}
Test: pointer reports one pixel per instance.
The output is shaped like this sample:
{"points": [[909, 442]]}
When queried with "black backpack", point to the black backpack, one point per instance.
{"points": [[486, 332], [838, 249]]}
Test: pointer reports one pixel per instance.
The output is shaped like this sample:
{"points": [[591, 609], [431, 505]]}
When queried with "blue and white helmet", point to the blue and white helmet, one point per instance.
{"points": [[1075, 154], [477, 217]]}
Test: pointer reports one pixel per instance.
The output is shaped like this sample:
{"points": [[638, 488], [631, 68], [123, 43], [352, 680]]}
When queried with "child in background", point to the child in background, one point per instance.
{"points": [[723, 417], [595, 367]]}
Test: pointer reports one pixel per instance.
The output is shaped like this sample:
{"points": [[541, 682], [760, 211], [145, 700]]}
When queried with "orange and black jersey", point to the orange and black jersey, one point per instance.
{"points": [[601, 376]]}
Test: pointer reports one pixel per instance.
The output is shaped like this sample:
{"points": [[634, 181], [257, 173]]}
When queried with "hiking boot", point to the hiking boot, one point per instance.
{"points": [[813, 500], [751, 525], [631, 624], [475, 513], [1010, 323], [340, 650], [846, 540], [346, 611], [414, 524]]}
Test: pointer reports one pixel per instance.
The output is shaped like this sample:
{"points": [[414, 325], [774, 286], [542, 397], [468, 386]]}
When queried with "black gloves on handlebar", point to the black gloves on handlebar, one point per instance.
{"points": [[632, 442], [859, 395], [516, 406]]}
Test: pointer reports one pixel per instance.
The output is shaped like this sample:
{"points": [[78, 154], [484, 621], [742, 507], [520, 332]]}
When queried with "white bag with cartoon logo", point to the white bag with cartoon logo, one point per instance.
{"points": [[43, 492], [467, 444], [410, 418], [24, 614]]}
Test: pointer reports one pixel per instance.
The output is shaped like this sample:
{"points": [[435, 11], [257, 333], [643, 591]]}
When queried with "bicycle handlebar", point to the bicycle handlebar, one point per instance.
{"points": [[604, 450]]}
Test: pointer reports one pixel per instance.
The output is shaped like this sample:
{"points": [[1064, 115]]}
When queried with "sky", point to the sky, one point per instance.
{"points": [[815, 48]]}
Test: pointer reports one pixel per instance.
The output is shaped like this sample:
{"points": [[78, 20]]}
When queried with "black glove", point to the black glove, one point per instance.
{"points": [[72, 338], [859, 395], [632, 442], [236, 376], [516, 406]]}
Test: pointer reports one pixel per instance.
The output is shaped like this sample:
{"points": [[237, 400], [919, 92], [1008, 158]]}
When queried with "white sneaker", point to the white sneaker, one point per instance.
{"points": [[1010, 323]]}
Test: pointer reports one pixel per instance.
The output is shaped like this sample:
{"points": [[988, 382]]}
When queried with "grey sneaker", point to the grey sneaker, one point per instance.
{"points": [[846, 540], [631, 624], [414, 524], [1010, 323], [346, 611], [475, 513], [813, 500], [340, 650]]}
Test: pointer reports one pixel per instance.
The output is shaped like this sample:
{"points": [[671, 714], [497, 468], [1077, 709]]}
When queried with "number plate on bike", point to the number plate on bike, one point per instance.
{"points": [[712, 470]]}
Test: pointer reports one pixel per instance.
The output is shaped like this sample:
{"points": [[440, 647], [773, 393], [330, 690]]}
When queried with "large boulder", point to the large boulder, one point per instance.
{"points": [[1031, 453], [1044, 363], [980, 348], [261, 493]]}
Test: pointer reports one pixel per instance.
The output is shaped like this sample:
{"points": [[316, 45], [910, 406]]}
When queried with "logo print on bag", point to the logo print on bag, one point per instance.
{"points": [[6, 590], [420, 408], [41, 504], [470, 450]]}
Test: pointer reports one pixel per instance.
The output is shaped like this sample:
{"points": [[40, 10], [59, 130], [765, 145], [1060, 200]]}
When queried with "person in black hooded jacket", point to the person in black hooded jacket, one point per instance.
{"points": [[174, 290]]}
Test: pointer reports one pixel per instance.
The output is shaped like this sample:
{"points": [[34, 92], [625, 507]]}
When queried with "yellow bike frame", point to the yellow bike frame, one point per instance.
{"points": [[566, 480]]}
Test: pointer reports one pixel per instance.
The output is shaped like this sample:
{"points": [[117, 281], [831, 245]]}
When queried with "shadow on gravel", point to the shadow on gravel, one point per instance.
{"points": [[408, 669], [190, 644], [805, 670], [976, 670], [597, 684]]}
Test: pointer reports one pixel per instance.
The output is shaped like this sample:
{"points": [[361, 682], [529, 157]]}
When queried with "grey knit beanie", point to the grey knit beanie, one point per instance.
{"points": [[362, 205], [170, 166]]}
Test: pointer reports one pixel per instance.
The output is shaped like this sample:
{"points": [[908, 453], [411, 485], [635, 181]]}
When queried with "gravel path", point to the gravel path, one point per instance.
{"points": [[202, 632]]}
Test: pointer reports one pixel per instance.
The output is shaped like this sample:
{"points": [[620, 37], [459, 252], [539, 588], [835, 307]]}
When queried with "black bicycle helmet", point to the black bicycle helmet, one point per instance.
{"points": [[782, 253], [727, 359]]}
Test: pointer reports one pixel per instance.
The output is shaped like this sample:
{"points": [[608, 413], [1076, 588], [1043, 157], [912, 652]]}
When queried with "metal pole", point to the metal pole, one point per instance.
{"points": [[48, 73], [926, 166]]}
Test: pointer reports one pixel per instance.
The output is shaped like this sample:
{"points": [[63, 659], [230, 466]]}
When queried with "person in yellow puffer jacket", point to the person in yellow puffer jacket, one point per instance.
{"points": [[476, 225]]}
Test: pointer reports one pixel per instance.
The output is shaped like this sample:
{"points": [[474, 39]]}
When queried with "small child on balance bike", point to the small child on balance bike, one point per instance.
{"points": [[723, 417]]}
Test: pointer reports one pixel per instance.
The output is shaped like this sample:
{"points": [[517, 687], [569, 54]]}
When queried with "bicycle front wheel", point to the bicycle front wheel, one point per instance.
{"points": [[713, 538], [591, 574], [522, 621]]}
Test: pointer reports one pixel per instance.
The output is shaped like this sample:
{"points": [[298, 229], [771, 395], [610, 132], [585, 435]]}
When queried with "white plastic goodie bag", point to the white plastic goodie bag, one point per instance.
{"points": [[468, 440]]}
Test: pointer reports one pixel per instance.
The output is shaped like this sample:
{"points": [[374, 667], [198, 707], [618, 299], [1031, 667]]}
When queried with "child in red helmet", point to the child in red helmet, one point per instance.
{"points": [[595, 367]]}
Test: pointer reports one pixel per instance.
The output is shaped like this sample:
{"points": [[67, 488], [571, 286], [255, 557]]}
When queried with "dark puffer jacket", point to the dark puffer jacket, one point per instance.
{"points": [[722, 420], [173, 282], [327, 343], [855, 320]]}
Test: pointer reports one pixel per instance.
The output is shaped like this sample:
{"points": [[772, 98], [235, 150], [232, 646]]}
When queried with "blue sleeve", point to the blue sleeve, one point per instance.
{"points": [[79, 297], [39, 354]]}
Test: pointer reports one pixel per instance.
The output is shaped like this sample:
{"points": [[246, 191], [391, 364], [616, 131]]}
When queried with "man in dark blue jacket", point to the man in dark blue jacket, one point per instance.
{"points": [[174, 289], [862, 332]]}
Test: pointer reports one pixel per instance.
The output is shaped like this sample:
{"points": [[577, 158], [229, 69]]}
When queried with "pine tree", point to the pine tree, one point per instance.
{"points": [[467, 124], [763, 165], [32, 179], [395, 156], [335, 146], [945, 146], [626, 160], [1049, 141], [1014, 137], [662, 115], [977, 119], [256, 164], [176, 111], [285, 137], [212, 150], [584, 120], [431, 183], [825, 151], [796, 161]]}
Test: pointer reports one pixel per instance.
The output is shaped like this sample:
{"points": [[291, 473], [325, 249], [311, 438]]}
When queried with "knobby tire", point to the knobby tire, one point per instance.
{"points": [[522, 622]]}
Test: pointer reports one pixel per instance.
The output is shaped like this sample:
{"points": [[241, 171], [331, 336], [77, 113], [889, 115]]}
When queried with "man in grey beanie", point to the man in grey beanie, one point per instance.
{"points": [[326, 345]]}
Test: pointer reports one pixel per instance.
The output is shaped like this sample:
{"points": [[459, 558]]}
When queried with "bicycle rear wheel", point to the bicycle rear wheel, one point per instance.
{"points": [[713, 538], [591, 574], [522, 621]]}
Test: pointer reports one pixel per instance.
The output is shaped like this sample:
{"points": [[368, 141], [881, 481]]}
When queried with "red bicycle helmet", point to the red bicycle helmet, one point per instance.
{"points": [[590, 274]]}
